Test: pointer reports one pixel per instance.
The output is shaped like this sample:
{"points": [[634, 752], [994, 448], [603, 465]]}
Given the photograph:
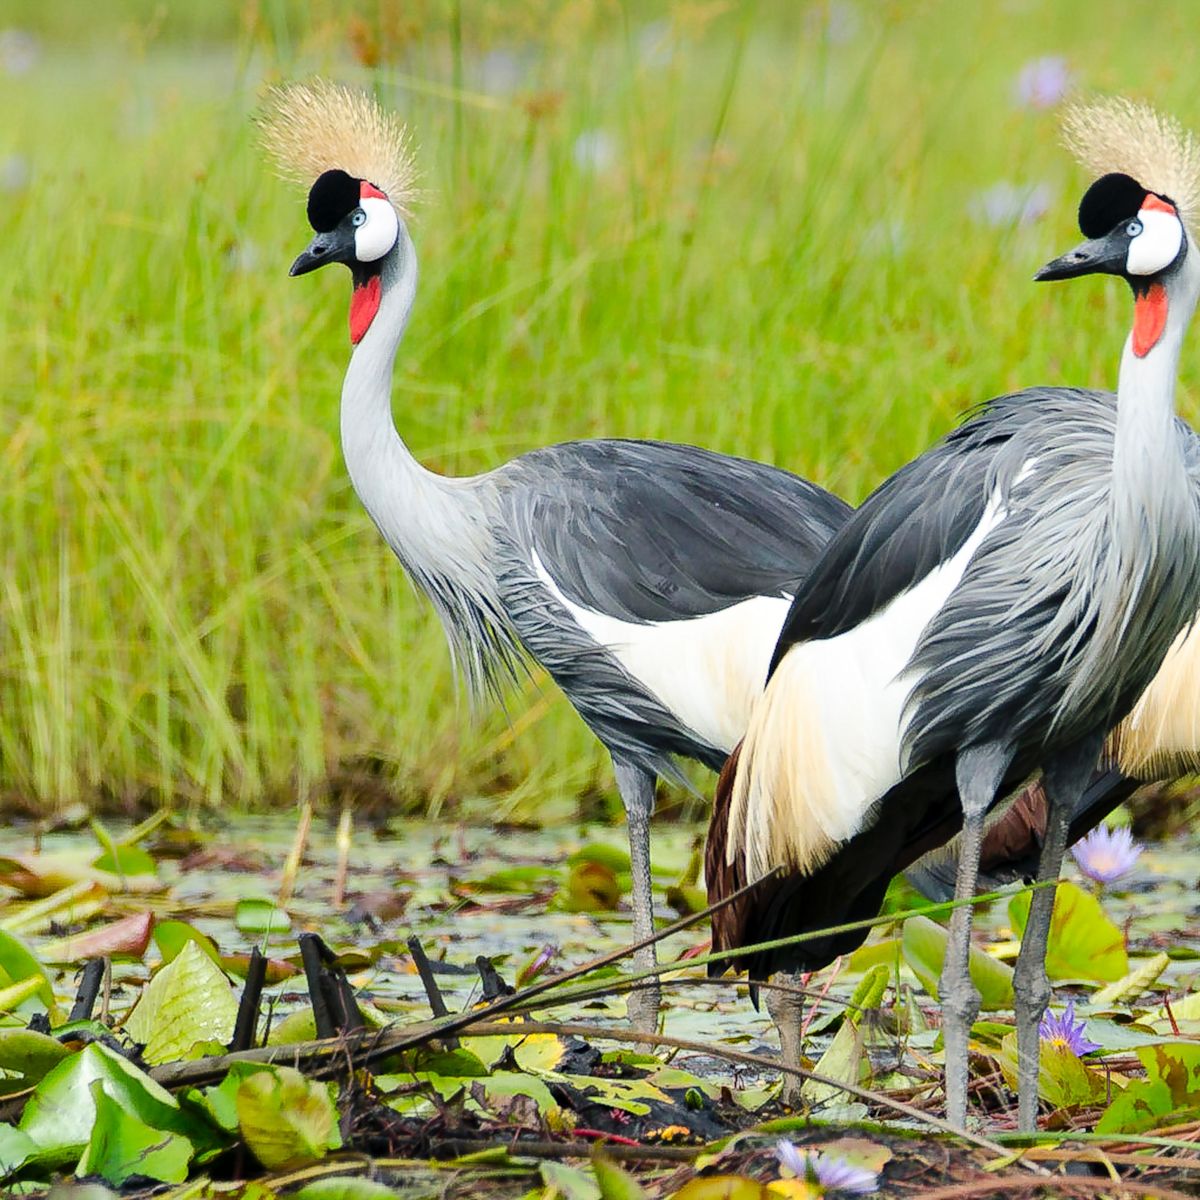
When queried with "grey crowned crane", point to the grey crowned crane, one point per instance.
{"points": [[650, 580], [993, 609]]}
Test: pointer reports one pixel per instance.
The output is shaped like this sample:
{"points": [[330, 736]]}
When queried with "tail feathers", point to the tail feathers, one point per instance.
{"points": [[1013, 844], [848, 887], [723, 877]]}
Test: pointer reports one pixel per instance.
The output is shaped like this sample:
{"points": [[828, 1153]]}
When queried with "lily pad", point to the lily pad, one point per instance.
{"points": [[1083, 942], [924, 945], [1170, 1093], [286, 1119], [61, 1113], [122, 1146], [185, 1008]]}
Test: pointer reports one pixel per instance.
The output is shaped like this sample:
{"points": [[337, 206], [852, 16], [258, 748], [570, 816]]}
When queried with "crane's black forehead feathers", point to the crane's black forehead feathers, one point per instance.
{"points": [[1109, 201], [329, 199]]}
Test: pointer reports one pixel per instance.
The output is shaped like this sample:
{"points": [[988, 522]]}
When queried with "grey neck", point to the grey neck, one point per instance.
{"points": [[437, 527], [419, 513], [1150, 479]]}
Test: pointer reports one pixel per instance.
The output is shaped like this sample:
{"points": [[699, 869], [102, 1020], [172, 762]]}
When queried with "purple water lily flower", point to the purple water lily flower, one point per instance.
{"points": [[831, 1173], [1065, 1032], [1107, 854], [1042, 82]]}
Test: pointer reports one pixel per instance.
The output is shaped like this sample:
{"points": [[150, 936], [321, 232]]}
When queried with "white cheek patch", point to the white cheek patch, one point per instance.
{"points": [[1157, 246], [378, 233]]}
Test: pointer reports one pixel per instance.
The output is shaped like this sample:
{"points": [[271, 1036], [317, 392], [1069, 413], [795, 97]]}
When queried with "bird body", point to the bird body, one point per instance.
{"points": [[649, 579], [966, 639], [1038, 564], [846, 881]]}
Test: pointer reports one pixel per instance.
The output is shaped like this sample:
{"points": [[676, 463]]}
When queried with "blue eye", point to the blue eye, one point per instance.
{"points": [[360, 218], [1133, 228]]}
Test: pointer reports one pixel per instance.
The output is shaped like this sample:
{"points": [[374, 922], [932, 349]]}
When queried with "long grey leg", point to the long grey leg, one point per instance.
{"points": [[979, 772], [637, 793], [1063, 779], [787, 1011]]}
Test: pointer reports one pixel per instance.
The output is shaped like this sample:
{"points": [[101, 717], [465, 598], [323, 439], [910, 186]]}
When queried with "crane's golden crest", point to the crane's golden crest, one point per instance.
{"points": [[310, 128], [1115, 134]]}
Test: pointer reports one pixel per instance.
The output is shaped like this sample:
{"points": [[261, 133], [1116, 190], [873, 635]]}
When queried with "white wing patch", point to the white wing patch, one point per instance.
{"points": [[824, 740], [705, 670]]}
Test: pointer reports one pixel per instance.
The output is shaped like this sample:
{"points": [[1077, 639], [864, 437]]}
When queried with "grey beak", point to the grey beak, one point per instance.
{"points": [[1106, 255], [324, 248]]}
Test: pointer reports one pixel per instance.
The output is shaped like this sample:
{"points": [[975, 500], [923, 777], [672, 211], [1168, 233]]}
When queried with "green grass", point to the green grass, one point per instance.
{"points": [[779, 262]]}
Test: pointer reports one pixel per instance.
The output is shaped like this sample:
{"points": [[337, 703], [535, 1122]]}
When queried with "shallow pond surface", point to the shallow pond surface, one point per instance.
{"points": [[508, 894]]}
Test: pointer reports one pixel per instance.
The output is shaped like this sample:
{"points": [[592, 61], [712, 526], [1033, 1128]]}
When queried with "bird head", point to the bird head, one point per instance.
{"points": [[354, 222], [1131, 231], [359, 163], [1136, 216]]}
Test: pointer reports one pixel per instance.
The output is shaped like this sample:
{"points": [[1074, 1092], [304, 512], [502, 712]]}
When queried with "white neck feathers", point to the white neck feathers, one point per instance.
{"points": [[437, 527]]}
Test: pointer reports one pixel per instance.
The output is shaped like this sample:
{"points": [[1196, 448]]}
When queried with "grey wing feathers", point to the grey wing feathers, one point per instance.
{"points": [[1019, 652], [653, 531], [914, 521]]}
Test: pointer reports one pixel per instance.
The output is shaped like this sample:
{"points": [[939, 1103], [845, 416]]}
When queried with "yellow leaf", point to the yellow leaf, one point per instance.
{"points": [[722, 1187], [286, 1119], [187, 1004]]}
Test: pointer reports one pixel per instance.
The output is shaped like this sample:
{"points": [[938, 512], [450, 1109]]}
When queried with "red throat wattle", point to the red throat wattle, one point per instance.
{"points": [[364, 304], [1149, 319]]}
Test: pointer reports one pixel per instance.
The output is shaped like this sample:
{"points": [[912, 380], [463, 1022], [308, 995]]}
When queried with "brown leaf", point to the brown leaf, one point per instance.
{"points": [[127, 938]]}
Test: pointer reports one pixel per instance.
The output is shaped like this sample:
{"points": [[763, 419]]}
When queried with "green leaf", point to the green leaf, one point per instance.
{"points": [[1064, 1079], [627, 1094], [614, 858], [674, 1077], [257, 915], [535, 1052], [591, 887], [1083, 942], [188, 1004], [924, 945], [845, 1057], [171, 936], [1117, 1035], [615, 1184], [514, 879], [844, 1060], [298, 1026], [26, 1057], [61, 1112], [1168, 1095], [286, 1119], [887, 953], [16, 1149], [122, 1146], [345, 1187], [1183, 1014], [464, 1063], [686, 898], [18, 964], [219, 1102], [128, 860], [571, 1183], [1132, 985], [504, 1085]]}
